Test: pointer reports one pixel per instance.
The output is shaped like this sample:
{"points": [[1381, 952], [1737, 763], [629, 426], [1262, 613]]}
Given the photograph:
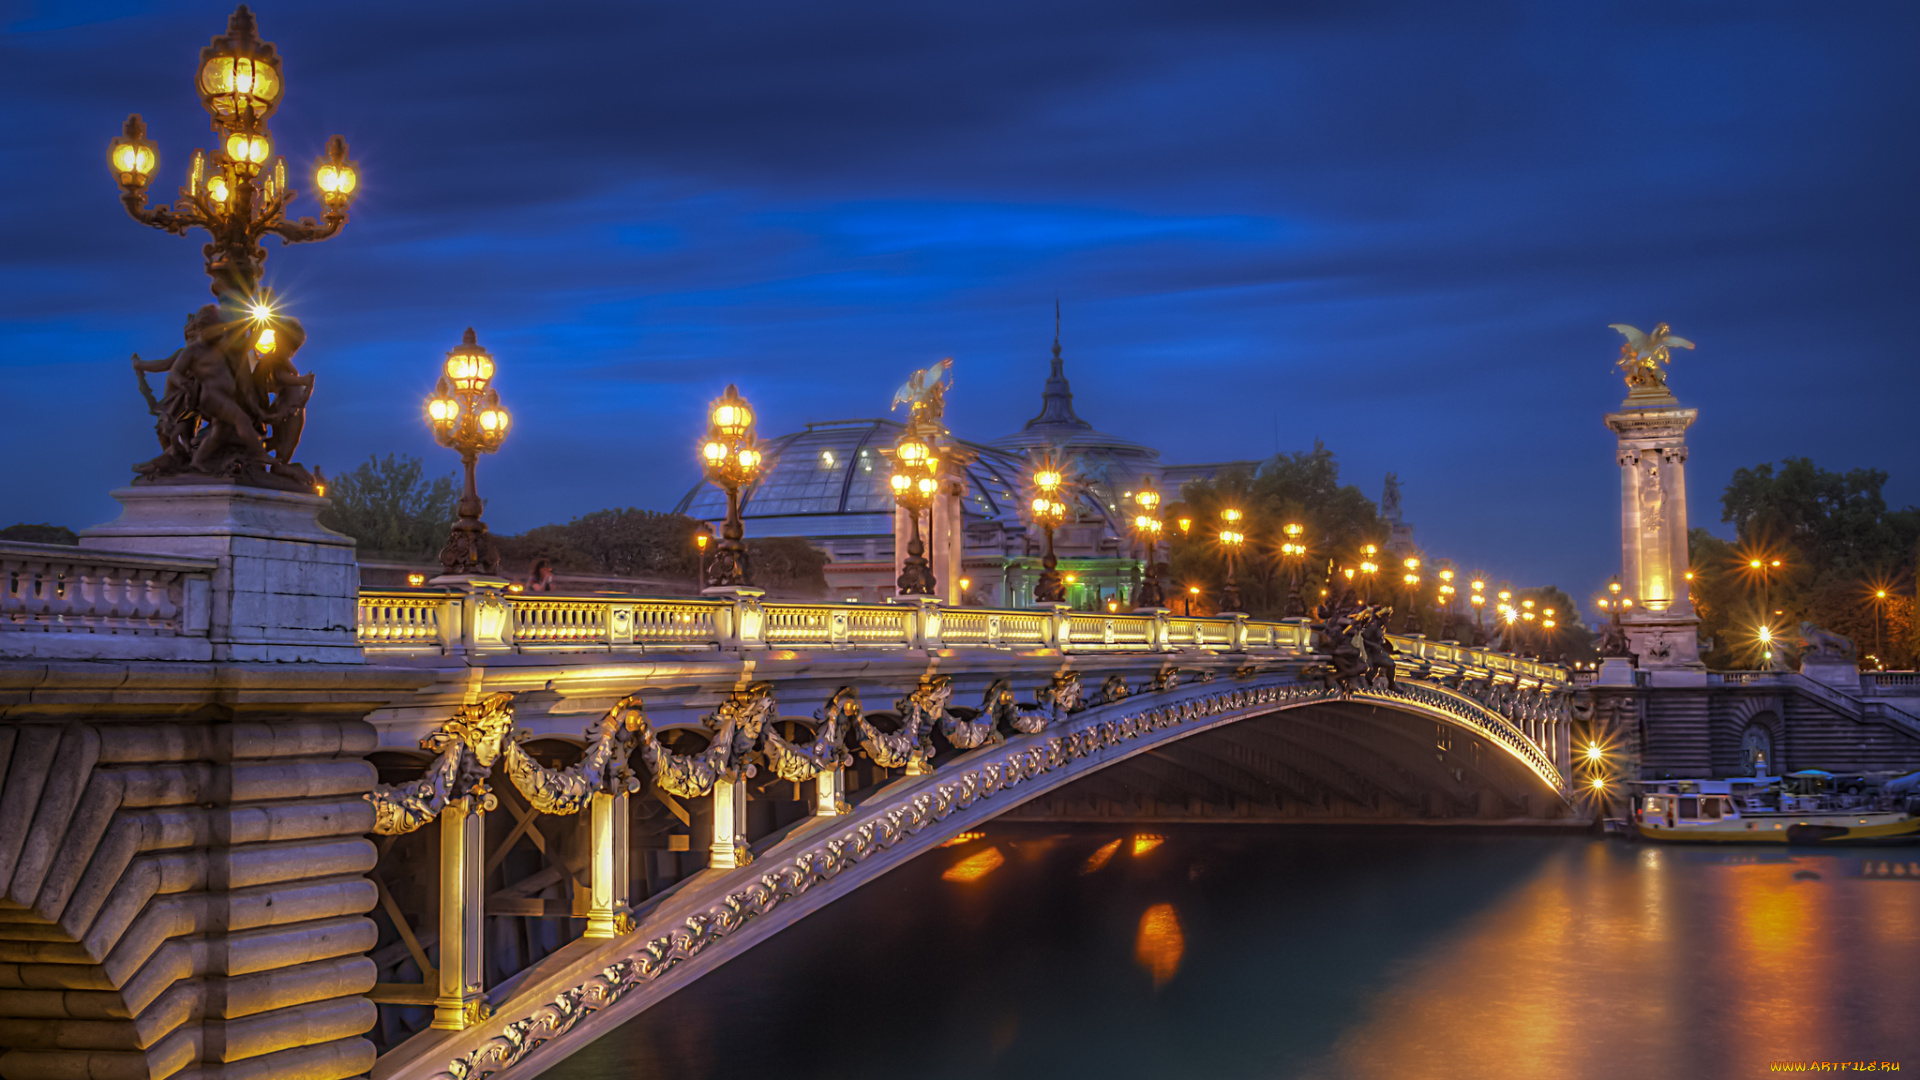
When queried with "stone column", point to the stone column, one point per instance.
{"points": [[610, 914], [1661, 628], [728, 847], [461, 1001]]}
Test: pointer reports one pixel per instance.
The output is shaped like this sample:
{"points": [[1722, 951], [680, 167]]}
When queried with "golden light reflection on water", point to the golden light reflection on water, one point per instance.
{"points": [[1146, 842], [1160, 944], [976, 866], [1100, 858], [963, 838], [1598, 967]]}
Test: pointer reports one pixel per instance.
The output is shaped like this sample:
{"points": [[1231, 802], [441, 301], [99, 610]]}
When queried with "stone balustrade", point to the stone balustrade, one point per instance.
{"points": [[437, 621], [86, 603]]}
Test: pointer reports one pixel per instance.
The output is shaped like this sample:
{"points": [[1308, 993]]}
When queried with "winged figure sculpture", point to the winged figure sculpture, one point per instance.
{"points": [[925, 394], [1643, 356]]}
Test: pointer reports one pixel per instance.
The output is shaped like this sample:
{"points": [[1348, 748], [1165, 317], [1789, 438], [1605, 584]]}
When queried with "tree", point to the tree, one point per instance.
{"points": [[788, 564], [1838, 545], [24, 533], [1302, 487], [391, 508], [625, 542]]}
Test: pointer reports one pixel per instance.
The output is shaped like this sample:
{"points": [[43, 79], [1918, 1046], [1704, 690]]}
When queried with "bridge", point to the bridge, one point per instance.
{"points": [[510, 822]]}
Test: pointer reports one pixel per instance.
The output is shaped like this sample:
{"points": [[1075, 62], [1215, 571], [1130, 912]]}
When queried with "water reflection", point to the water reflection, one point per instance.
{"points": [[1101, 857], [1159, 944], [1312, 953], [974, 867], [1146, 842]]}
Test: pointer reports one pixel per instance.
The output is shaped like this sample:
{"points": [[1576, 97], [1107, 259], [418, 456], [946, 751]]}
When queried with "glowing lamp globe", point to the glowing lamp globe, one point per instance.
{"points": [[730, 416], [132, 156], [239, 79], [928, 485], [469, 367], [900, 481], [248, 150]]}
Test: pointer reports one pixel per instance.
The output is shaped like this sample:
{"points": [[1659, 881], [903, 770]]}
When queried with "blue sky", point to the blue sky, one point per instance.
{"points": [[1401, 228]]}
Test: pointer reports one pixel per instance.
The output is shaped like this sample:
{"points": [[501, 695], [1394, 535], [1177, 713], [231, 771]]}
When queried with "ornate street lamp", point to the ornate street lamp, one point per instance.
{"points": [[915, 482], [1479, 601], [466, 416], [1411, 624], [1295, 553], [1447, 593], [1230, 539], [1049, 511], [239, 193], [731, 460], [1146, 528], [234, 404]]}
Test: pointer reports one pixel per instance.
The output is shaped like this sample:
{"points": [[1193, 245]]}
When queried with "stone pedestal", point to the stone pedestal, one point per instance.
{"points": [[285, 589], [1661, 629], [1840, 674]]}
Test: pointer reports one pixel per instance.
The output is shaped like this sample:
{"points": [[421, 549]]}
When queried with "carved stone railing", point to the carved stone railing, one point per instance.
{"points": [[432, 621], [86, 603]]}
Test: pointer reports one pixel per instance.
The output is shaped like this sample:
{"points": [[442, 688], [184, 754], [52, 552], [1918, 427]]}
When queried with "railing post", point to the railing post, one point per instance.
{"points": [[1059, 626], [1237, 642], [747, 622], [1158, 632], [728, 846], [830, 793], [485, 621], [610, 914], [926, 623], [462, 996]]}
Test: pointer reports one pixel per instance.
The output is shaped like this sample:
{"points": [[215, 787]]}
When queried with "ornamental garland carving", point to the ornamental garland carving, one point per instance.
{"points": [[466, 746]]}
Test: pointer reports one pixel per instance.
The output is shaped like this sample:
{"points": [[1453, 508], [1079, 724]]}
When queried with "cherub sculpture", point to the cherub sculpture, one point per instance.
{"points": [[1643, 356]]}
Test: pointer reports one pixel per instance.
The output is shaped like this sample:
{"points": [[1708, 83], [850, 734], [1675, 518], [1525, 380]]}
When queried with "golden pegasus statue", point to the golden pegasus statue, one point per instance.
{"points": [[1643, 355]]}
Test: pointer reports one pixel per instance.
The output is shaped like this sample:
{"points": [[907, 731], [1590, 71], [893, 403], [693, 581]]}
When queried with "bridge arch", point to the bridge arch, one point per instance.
{"points": [[724, 912]]}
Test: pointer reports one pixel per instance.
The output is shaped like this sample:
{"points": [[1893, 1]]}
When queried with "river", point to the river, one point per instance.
{"points": [[1227, 952]]}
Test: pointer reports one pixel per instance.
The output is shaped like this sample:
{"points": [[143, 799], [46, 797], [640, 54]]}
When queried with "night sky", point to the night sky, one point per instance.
{"points": [[1402, 228]]}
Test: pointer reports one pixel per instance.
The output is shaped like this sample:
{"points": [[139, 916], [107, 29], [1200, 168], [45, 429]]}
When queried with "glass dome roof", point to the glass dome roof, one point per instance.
{"points": [[836, 467]]}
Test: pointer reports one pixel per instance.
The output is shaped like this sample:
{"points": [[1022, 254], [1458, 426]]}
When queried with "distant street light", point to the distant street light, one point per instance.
{"points": [[1146, 529], [915, 482], [1230, 539], [1295, 554], [732, 461], [466, 415], [1048, 513]]}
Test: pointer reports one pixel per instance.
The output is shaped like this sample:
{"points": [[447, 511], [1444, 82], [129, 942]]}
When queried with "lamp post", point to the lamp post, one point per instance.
{"points": [[1368, 568], [1879, 605], [914, 485], [466, 416], [702, 536], [1146, 527], [239, 193], [1048, 512], [1478, 599], [1230, 539], [1295, 553], [1411, 624], [1447, 593], [731, 460], [1192, 591]]}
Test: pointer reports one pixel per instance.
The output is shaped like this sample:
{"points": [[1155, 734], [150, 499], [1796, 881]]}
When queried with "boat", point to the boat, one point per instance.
{"points": [[1800, 808]]}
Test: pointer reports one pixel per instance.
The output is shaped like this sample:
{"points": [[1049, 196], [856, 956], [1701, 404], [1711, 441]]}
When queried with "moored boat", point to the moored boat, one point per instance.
{"points": [[1765, 810]]}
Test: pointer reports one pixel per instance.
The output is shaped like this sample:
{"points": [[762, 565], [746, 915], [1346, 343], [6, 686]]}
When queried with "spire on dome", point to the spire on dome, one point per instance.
{"points": [[1056, 400]]}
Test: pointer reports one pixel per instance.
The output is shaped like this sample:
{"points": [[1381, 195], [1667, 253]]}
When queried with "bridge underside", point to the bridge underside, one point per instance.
{"points": [[1332, 762]]}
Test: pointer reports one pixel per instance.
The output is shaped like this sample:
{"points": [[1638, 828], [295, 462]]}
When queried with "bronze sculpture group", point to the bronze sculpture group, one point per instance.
{"points": [[232, 405], [1353, 635]]}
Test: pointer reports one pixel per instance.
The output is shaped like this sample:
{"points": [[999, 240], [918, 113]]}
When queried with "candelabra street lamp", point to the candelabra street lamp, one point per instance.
{"points": [[234, 404], [1146, 528], [1295, 554], [1368, 568], [235, 194], [1048, 513], [1447, 594], [466, 416], [915, 482], [1478, 600], [732, 461], [1230, 540]]}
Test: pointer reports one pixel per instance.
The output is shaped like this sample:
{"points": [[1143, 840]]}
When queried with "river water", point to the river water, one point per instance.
{"points": [[1227, 952]]}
